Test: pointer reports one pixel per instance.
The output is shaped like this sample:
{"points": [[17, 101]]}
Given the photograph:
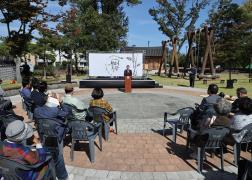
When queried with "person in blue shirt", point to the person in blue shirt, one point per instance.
{"points": [[38, 95], [59, 115], [26, 90]]}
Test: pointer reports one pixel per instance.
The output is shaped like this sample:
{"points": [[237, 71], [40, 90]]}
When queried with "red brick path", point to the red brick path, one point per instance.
{"points": [[143, 153], [140, 152]]}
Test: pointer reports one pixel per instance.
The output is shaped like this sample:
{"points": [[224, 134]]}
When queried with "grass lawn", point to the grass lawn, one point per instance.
{"points": [[7, 85], [242, 81]]}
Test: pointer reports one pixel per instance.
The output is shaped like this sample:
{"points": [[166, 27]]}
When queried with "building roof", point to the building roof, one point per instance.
{"points": [[148, 51]]}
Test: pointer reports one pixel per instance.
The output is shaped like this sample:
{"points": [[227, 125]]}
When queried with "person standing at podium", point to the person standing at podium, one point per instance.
{"points": [[127, 79], [127, 71]]}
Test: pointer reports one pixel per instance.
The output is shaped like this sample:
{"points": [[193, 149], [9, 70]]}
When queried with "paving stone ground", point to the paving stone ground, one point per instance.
{"points": [[91, 174], [139, 151]]}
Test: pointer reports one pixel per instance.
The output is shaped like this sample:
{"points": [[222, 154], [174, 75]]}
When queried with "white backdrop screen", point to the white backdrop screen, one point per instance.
{"points": [[114, 64]]}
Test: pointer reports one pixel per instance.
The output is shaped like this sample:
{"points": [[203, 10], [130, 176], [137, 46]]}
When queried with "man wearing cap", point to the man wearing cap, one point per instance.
{"points": [[79, 106], [17, 132]]}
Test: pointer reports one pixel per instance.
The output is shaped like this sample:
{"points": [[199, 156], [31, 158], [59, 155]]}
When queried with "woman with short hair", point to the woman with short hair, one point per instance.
{"points": [[98, 101], [244, 117], [220, 118]]}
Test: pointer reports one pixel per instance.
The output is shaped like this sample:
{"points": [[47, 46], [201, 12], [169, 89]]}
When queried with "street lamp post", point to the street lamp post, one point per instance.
{"points": [[230, 82], [250, 67]]}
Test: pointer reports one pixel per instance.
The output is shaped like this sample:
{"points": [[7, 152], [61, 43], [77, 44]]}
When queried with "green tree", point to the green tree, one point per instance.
{"points": [[4, 49], [28, 15], [95, 25], [247, 51], [103, 27], [69, 43], [232, 25], [176, 17], [44, 47]]}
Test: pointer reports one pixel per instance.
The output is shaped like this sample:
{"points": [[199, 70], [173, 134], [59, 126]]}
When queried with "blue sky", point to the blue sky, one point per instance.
{"points": [[143, 29], [141, 26]]}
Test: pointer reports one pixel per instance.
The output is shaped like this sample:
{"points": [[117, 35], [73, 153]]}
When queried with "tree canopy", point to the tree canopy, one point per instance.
{"points": [[232, 33], [176, 17], [27, 17], [98, 24]]}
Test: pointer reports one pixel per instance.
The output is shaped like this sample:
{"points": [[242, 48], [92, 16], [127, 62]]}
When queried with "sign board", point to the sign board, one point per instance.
{"points": [[114, 64]]}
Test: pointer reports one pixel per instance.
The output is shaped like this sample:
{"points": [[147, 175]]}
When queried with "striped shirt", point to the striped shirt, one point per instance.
{"points": [[23, 154]]}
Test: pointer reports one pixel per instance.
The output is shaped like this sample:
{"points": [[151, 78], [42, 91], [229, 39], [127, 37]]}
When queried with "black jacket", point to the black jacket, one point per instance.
{"points": [[127, 72]]}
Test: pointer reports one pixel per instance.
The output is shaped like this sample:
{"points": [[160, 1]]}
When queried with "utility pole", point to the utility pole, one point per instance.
{"points": [[250, 67]]}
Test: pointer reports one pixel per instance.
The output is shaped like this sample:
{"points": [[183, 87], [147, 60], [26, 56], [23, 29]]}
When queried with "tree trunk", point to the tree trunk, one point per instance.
{"points": [[44, 71], [163, 58], [45, 65], [18, 74], [76, 62], [174, 58], [60, 56]]}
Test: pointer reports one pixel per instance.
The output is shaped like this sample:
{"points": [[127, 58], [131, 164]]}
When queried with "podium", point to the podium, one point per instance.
{"points": [[127, 84]]}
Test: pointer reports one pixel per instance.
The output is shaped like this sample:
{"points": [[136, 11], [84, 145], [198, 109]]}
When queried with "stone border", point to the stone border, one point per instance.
{"points": [[78, 173]]}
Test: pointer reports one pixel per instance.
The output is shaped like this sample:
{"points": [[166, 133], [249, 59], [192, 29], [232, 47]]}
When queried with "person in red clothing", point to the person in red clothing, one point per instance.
{"points": [[13, 148]]}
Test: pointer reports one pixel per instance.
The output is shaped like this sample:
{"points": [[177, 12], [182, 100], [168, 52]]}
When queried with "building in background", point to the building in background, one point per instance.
{"points": [[152, 56]]}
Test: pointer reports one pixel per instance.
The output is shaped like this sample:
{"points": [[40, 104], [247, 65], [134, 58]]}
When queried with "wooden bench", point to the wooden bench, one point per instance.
{"points": [[222, 81], [204, 81]]}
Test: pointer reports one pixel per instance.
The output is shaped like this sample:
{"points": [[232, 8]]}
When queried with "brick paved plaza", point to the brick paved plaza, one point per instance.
{"points": [[139, 151]]}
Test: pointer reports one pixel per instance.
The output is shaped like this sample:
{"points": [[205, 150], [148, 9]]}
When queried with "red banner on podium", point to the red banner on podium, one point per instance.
{"points": [[127, 84]]}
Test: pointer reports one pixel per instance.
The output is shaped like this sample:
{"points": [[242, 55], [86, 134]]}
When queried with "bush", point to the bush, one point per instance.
{"points": [[50, 71]]}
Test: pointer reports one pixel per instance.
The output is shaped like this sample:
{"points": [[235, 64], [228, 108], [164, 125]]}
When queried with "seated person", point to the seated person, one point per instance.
{"points": [[222, 94], [206, 108], [6, 117], [210, 100], [25, 92], [37, 95], [241, 93], [98, 101], [220, 117], [17, 132], [53, 99], [2, 93], [244, 116], [12, 113], [57, 114], [5, 104], [79, 110], [42, 88]]}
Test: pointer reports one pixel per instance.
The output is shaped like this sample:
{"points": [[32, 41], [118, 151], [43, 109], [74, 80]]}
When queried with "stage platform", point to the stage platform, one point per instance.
{"points": [[117, 83]]}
